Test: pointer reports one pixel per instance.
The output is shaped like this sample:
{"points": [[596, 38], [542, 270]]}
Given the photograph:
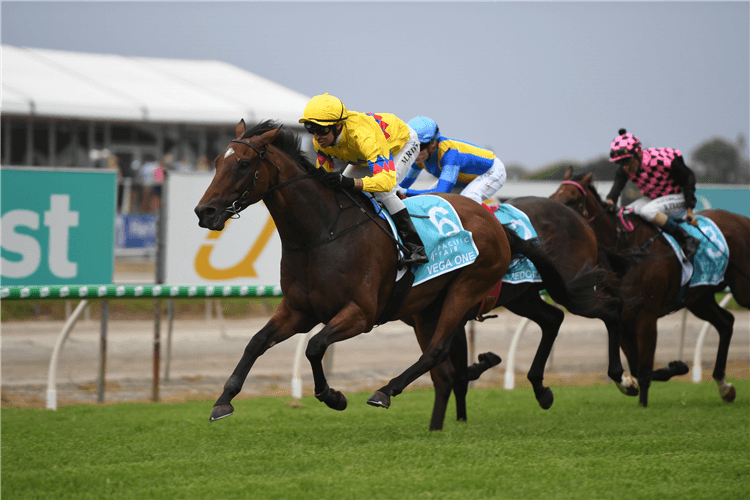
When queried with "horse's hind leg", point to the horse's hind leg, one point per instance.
{"points": [[455, 306], [645, 326], [285, 323], [442, 375], [458, 358], [549, 318], [708, 310]]}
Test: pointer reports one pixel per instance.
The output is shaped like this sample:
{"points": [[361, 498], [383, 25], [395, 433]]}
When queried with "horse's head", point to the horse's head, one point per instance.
{"points": [[575, 192], [244, 173]]}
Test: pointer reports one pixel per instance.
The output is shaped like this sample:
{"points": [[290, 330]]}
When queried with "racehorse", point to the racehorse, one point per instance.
{"points": [[339, 261], [652, 288], [572, 247]]}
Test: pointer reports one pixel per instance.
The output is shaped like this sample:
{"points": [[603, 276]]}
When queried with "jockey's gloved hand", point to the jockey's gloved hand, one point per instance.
{"points": [[691, 219], [610, 205], [336, 180]]}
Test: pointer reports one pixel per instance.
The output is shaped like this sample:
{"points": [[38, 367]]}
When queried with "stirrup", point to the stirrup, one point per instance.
{"points": [[416, 259]]}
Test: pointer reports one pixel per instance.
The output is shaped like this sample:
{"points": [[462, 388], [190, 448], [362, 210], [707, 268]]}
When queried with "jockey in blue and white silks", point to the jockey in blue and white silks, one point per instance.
{"points": [[459, 166]]}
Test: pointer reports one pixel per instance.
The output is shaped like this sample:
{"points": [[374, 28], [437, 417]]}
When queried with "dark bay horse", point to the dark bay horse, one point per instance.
{"points": [[651, 289], [572, 248], [339, 262]]}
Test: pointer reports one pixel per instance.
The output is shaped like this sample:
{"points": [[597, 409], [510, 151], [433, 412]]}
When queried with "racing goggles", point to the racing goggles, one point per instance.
{"points": [[423, 145], [315, 128]]}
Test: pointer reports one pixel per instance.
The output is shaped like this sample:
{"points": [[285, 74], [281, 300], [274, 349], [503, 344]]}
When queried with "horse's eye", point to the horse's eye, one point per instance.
{"points": [[243, 164]]}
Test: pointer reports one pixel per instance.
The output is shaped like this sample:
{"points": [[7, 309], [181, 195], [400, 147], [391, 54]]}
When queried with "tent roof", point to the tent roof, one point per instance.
{"points": [[57, 83]]}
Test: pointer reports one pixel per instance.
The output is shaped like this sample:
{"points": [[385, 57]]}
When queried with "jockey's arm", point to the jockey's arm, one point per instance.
{"points": [[383, 179], [684, 177], [621, 178], [446, 183], [411, 176]]}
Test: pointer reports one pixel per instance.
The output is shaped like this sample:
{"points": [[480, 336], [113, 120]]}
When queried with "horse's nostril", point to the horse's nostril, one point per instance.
{"points": [[204, 212]]}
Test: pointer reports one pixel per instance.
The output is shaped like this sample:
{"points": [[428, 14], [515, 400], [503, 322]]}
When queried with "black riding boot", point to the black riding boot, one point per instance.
{"points": [[410, 237], [688, 243]]}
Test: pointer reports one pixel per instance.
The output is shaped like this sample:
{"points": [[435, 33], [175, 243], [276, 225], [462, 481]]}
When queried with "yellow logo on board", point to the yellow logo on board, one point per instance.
{"points": [[243, 269]]}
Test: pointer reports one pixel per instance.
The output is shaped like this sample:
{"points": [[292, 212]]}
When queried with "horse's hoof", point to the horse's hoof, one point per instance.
{"points": [[728, 394], [379, 399], [678, 367], [490, 358], [546, 399], [628, 386], [333, 399], [221, 411]]}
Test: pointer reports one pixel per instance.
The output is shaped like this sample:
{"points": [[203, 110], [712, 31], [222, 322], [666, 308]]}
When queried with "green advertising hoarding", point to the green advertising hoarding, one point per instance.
{"points": [[57, 227]]}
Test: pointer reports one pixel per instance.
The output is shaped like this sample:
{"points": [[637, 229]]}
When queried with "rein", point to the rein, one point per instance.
{"points": [[238, 205]]}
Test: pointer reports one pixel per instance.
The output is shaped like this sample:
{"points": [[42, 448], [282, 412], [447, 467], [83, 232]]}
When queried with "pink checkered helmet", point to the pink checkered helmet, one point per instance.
{"points": [[624, 146]]}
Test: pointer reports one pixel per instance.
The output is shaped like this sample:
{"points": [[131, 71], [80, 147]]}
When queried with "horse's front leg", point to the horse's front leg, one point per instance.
{"points": [[348, 323], [285, 323]]}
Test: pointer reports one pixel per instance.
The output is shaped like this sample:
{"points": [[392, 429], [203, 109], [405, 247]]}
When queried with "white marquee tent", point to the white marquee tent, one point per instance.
{"points": [[74, 85]]}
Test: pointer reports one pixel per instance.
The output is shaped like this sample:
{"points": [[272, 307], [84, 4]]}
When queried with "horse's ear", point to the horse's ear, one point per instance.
{"points": [[568, 173], [239, 129], [270, 136], [587, 179]]}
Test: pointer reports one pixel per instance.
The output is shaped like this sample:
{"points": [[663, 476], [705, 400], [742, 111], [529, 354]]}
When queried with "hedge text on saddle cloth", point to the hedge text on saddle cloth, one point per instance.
{"points": [[459, 166], [666, 183], [375, 146]]}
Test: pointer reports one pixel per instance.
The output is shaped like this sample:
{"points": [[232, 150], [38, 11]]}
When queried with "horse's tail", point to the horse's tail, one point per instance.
{"points": [[583, 292]]}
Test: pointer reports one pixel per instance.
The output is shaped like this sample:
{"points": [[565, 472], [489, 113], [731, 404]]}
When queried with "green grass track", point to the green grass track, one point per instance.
{"points": [[593, 443]]}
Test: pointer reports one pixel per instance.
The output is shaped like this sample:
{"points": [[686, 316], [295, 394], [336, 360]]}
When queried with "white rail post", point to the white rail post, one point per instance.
{"points": [[296, 379], [52, 375], [510, 374], [682, 334]]}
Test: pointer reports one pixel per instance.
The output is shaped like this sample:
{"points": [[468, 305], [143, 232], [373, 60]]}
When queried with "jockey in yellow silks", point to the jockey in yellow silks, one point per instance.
{"points": [[375, 146]]}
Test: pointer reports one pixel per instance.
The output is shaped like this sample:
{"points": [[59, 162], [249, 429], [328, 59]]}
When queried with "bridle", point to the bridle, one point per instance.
{"points": [[243, 202], [582, 202]]}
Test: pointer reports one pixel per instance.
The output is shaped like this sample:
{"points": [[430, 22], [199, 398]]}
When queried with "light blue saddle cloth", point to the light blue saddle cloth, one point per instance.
{"points": [[710, 262], [521, 270], [447, 244]]}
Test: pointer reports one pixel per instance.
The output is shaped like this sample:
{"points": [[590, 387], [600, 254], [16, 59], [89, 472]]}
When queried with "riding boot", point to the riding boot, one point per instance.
{"points": [[410, 237], [688, 243]]}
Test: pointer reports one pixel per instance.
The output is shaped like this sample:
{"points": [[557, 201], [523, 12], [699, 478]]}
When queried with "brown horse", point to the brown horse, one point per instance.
{"points": [[652, 288], [572, 247], [339, 262]]}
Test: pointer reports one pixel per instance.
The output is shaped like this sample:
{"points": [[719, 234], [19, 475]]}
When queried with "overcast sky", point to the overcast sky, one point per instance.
{"points": [[536, 82]]}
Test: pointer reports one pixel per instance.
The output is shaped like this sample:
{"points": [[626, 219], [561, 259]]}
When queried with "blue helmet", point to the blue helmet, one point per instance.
{"points": [[426, 128]]}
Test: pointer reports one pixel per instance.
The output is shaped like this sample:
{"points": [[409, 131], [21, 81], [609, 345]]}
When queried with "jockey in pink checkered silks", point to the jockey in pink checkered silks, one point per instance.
{"points": [[666, 183]]}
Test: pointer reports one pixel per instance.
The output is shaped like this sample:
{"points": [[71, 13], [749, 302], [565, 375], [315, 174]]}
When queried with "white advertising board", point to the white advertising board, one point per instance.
{"points": [[247, 251]]}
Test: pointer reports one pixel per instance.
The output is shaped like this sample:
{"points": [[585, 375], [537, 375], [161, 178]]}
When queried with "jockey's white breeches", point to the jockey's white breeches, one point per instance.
{"points": [[673, 205], [487, 184]]}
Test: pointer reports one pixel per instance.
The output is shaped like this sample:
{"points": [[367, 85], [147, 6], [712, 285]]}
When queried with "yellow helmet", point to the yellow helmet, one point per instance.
{"points": [[324, 110]]}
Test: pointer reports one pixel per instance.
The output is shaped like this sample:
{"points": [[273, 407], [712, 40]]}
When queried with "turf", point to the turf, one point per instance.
{"points": [[593, 443]]}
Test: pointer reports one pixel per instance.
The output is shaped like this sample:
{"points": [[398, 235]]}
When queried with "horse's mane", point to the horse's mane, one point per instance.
{"points": [[287, 141], [578, 177]]}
